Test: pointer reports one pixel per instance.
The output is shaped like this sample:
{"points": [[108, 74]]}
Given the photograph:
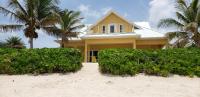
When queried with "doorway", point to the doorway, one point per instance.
{"points": [[93, 56]]}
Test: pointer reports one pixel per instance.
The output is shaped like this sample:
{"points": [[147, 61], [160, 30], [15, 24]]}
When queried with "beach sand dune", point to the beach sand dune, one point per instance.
{"points": [[90, 83]]}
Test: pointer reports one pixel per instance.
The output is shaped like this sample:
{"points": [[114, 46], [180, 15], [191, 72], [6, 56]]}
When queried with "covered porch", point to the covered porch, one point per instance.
{"points": [[92, 46]]}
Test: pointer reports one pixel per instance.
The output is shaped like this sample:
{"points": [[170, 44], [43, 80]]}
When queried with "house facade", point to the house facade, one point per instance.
{"points": [[114, 31]]}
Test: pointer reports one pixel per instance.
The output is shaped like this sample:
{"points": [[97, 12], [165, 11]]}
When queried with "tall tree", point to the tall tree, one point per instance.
{"points": [[69, 25], [30, 16], [187, 22]]}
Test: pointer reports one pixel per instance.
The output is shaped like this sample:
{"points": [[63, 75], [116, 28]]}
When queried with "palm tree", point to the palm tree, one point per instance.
{"points": [[14, 42], [31, 15], [187, 21], [68, 25]]}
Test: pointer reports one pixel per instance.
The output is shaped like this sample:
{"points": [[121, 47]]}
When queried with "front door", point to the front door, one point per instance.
{"points": [[93, 56]]}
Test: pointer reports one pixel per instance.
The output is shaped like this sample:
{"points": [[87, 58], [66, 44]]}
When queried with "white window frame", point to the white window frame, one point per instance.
{"points": [[115, 28]]}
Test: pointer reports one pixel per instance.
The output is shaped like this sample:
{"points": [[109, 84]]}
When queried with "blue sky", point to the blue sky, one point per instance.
{"points": [[135, 10]]}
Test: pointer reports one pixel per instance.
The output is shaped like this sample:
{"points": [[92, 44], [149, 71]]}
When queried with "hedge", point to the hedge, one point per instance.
{"points": [[151, 62], [39, 61]]}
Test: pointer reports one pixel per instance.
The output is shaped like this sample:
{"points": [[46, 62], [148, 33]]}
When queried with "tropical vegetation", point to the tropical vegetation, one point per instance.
{"points": [[164, 63], [30, 16], [69, 23], [187, 21], [39, 61], [12, 42]]}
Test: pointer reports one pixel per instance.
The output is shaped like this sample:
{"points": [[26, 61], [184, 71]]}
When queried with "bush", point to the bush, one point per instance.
{"points": [[151, 62], [39, 61]]}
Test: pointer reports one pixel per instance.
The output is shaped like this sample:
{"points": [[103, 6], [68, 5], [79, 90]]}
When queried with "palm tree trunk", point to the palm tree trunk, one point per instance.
{"points": [[31, 43], [196, 37], [197, 40], [63, 42]]}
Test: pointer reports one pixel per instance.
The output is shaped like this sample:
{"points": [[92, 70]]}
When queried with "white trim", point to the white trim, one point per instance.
{"points": [[115, 28], [147, 38], [112, 35], [108, 31]]}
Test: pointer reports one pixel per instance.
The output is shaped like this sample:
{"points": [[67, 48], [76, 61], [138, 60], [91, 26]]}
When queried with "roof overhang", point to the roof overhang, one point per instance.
{"points": [[152, 38], [106, 36]]}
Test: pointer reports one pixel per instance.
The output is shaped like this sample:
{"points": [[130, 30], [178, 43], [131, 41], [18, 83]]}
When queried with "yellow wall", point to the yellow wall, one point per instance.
{"points": [[98, 44], [151, 42], [106, 46], [112, 19]]}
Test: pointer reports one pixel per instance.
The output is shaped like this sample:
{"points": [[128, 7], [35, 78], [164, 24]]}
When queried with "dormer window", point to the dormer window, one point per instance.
{"points": [[121, 28], [112, 28], [104, 29]]}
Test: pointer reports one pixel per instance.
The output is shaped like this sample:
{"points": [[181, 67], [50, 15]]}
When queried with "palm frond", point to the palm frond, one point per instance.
{"points": [[180, 43], [197, 19], [169, 22], [192, 27], [14, 42], [6, 28], [182, 2], [53, 31], [194, 5], [45, 7], [7, 12], [50, 20], [172, 35], [182, 17], [70, 34], [15, 4], [181, 6], [76, 28]]}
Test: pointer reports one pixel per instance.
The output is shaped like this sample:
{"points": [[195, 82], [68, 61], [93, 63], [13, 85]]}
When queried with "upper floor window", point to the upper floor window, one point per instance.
{"points": [[112, 28], [121, 28], [104, 29]]}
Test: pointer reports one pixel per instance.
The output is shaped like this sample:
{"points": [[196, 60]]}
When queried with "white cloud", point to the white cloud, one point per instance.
{"points": [[160, 9], [89, 12]]}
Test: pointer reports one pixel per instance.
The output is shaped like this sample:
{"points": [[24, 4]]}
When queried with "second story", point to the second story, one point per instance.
{"points": [[112, 23]]}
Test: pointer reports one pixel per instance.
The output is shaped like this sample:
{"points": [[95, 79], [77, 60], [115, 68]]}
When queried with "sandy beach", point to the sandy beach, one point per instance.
{"points": [[90, 83]]}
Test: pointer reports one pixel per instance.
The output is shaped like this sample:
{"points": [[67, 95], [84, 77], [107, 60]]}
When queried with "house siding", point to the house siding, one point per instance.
{"points": [[112, 19]]}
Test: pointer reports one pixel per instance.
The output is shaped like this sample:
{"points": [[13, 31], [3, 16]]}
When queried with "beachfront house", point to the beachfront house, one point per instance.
{"points": [[114, 31]]}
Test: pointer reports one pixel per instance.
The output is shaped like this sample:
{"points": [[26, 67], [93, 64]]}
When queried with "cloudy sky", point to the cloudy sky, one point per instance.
{"points": [[135, 10]]}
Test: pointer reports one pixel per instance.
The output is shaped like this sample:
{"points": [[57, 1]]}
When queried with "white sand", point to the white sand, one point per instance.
{"points": [[90, 83]]}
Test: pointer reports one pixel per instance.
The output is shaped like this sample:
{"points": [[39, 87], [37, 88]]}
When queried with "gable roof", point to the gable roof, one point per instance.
{"points": [[144, 32], [108, 14]]}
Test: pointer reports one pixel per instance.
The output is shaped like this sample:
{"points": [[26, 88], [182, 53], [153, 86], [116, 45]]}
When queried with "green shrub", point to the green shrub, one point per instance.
{"points": [[39, 61], [151, 62]]}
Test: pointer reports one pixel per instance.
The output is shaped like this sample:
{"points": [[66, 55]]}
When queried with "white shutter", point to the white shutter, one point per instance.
{"points": [[115, 28], [108, 28]]}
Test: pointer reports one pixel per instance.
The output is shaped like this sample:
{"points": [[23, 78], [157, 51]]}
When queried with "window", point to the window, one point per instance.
{"points": [[112, 28], [104, 29], [121, 28]]}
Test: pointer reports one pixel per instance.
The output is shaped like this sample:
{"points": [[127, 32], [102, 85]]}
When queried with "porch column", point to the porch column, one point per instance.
{"points": [[134, 44], [86, 52]]}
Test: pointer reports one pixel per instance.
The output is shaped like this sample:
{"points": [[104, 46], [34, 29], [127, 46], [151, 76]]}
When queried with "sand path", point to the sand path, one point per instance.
{"points": [[90, 83]]}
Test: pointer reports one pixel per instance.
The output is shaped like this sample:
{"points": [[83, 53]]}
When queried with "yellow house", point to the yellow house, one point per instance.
{"points": [[114, 31]]}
